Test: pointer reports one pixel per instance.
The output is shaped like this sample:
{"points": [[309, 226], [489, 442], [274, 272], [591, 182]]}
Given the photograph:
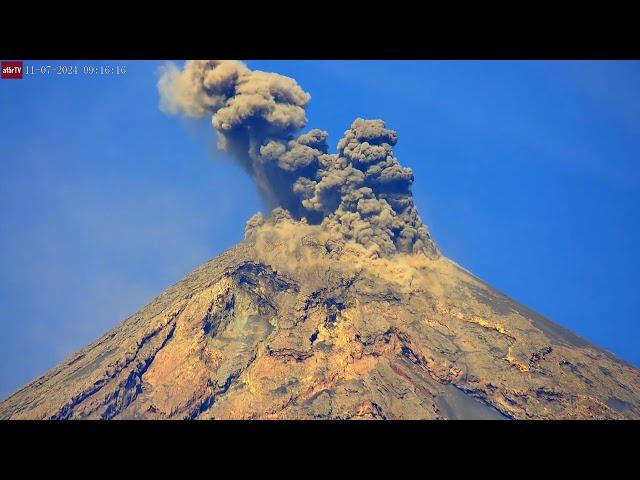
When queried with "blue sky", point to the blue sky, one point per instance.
{"points": [[527, 174]]}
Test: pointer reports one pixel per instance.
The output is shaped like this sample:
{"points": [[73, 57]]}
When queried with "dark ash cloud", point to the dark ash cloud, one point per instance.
{"points": [[362, 192]]}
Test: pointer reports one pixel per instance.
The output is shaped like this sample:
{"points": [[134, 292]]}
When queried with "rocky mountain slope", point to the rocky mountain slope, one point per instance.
{"points": [[294, 323]]}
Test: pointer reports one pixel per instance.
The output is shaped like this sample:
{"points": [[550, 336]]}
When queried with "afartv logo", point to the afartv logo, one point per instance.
{"points": [[12, 70]]}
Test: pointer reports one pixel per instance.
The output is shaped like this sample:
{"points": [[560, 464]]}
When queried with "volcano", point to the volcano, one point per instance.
{"points": [[336, 305], [295, 324]]}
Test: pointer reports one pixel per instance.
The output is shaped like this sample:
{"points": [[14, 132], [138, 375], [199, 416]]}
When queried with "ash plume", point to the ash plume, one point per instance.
{"points": [[362, 192]]}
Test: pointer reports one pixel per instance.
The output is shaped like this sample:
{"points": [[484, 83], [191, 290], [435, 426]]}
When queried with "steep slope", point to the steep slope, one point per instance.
{"points": [[294, 323]]}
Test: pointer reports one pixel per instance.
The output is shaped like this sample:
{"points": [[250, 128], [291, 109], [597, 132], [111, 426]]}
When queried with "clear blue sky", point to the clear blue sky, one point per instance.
{"points": [[527, 173]]}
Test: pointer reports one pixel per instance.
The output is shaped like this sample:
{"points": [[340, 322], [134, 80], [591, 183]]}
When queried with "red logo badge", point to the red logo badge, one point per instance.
{"points": [[12, 70]]}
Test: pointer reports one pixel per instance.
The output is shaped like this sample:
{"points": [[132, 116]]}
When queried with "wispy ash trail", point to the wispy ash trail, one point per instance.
{"points": [[361, 192]]}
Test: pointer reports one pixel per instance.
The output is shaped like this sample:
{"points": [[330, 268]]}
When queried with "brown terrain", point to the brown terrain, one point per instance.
{"points": [[295, 324]]}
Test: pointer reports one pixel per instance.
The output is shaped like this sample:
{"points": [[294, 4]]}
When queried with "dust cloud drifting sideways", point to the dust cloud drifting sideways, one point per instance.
{"points": [[361, 192]]}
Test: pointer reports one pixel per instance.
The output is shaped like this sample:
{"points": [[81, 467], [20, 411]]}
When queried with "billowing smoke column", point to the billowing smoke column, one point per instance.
{"points": [[361, 192]]}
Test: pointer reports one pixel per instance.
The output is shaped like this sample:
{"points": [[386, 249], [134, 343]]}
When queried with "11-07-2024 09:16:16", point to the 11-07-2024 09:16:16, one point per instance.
{"points": [[75, 70]]}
